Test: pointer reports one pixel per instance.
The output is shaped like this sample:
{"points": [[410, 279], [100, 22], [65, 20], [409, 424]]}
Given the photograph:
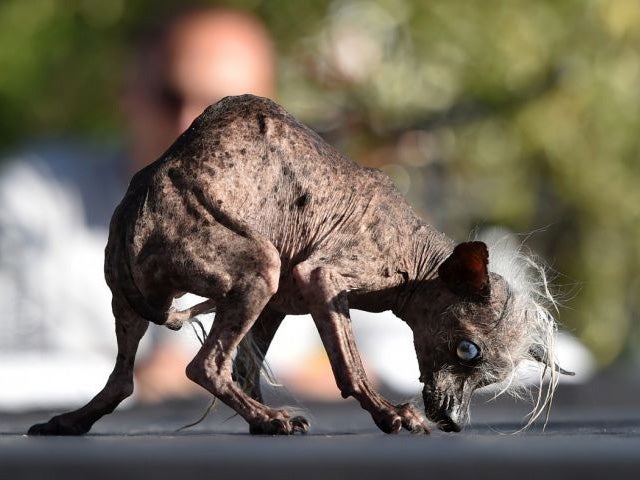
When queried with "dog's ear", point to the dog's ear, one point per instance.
{"points": [[465, 271]]}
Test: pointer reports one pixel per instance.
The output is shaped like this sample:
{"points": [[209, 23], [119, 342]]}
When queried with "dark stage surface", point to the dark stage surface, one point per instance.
{"points": [[594, 432]]}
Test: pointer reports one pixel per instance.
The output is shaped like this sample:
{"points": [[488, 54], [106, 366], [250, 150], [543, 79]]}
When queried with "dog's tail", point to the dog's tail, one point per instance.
{"points": [[118, 265]]}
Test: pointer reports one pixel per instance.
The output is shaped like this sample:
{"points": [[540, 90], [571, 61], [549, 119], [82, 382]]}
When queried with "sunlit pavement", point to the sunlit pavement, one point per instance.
{"points": [[594, 432]]}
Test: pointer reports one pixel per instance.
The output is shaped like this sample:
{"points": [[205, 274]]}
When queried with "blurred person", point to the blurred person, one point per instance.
{"points": [[57, 198], [183, 67]]}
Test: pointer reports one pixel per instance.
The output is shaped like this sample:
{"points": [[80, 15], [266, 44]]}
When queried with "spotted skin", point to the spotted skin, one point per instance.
{"points": [[252, 210]]}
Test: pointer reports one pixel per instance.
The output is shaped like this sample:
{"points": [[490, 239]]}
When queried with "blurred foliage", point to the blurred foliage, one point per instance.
{"points": [[518, 113]]}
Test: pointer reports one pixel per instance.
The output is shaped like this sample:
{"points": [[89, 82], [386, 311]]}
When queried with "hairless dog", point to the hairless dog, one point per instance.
{"points": [[252, 210]]}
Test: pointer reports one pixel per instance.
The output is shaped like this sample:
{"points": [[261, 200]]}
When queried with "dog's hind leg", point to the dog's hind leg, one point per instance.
{"points": [[129, 330], [212, 366], [248, 364]]}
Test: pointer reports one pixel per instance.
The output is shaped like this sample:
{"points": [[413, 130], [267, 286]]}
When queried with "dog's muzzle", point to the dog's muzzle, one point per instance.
{"points": [[444, 410]]}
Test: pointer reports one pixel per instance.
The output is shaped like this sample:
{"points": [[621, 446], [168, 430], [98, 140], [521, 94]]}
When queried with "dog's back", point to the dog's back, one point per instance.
{"points": [[246, 164]]}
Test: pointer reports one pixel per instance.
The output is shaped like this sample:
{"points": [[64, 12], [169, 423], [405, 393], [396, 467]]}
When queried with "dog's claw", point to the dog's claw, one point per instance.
{"points": [[300, 424], [390, 422], [280, 426], [419, 429], [412, 420], [393, 418]]}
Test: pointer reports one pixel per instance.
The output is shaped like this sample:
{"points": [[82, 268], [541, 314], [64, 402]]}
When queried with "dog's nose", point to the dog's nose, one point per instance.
{"points": [[449, 423]]}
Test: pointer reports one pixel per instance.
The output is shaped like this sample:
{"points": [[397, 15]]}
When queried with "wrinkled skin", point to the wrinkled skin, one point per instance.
{"points": [[255, 212]]}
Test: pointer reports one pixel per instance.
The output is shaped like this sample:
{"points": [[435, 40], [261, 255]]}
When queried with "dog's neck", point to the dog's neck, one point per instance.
{"points": [[427, 249], [415, 268]]}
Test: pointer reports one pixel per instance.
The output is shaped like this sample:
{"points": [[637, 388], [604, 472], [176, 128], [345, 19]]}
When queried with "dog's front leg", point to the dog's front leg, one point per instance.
{"points": [[327, 300]]}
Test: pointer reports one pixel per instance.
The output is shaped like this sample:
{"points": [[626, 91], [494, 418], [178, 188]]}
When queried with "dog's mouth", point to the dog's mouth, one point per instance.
{"points": [[448, 414]]}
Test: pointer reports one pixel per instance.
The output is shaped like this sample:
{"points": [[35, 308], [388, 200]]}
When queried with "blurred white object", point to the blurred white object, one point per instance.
{"points": [[50, 380], [387, 344], [384, 341], [296, 340], [58, 343]]}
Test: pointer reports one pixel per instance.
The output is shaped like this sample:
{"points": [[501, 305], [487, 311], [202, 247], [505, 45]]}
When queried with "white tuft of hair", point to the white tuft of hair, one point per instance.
{"points": [[532, 300]]}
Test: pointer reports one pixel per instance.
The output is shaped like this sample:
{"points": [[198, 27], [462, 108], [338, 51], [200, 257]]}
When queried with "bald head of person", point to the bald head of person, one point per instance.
{"points": [[185, 65]]}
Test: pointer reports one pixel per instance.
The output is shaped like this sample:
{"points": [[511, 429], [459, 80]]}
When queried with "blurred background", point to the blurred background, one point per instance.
{"points": [[523, 115]]}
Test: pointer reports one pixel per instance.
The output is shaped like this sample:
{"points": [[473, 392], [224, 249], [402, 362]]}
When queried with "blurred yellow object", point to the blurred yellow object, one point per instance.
{"points": [[312, 379]]}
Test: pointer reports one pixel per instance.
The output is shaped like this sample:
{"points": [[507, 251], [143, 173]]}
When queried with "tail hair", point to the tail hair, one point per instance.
{"points": [[252, 364]]}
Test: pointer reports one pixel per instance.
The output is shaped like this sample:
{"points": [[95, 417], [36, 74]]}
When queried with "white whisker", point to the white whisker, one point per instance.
{"points": [[532, 304]]}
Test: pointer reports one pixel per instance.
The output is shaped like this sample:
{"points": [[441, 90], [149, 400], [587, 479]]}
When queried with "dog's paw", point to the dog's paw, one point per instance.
{"points": [[280, 424], [394, 418], [412, 420], [57, 426]]}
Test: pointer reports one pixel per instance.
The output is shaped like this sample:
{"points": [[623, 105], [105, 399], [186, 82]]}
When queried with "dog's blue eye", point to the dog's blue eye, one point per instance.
{"points": [[467, 350]]}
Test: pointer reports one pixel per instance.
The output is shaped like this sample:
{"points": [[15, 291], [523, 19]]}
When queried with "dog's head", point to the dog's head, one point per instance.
{"points": [[471, 329]]}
